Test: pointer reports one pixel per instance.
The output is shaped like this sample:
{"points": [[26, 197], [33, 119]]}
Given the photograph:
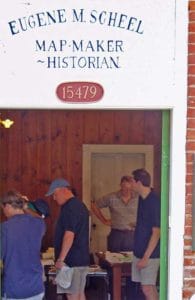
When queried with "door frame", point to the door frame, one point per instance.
{"points": [[90, 149], [164, 227]]}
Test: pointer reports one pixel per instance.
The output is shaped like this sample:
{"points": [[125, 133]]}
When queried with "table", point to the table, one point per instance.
{"points": [[119, 269], [94, 271]]}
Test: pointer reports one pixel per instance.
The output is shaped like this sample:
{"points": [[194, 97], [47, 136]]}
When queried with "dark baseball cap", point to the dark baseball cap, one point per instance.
{"points": [[40, 206], [57, 183]]}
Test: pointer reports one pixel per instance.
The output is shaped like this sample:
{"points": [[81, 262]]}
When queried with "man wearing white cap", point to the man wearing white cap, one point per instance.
{"points": [[71, 241]]}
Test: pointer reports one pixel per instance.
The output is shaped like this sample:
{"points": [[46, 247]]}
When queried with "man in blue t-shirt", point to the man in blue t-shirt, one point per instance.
{"points": [[146, 252], [21, 237], [71, 241]]}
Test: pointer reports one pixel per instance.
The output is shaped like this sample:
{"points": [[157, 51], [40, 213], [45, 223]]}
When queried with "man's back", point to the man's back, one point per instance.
{"points": [[20, 245], [74, 217]]}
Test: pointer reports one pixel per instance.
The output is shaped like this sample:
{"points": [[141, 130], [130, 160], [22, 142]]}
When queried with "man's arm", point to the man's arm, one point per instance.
{"points": [[66, 245], [99, 214], [151, 246], [3, 242]]}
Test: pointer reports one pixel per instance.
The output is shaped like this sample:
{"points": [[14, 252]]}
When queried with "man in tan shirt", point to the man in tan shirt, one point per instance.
{"points": [[123, 211]]}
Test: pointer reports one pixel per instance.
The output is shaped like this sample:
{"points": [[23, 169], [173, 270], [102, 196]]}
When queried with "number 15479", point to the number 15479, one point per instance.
{"points": [[79, 92]]}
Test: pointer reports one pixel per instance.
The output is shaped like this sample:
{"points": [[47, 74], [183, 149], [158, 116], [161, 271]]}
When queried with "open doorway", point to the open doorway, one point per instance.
{"points": [[45, 144]]}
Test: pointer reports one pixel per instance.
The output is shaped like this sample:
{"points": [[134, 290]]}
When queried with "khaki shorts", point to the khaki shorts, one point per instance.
{"points": [[147, 275], [78, 282]]}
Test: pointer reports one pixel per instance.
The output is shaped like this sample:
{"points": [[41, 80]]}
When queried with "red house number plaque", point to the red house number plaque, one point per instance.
{"points": [[79, 92]]}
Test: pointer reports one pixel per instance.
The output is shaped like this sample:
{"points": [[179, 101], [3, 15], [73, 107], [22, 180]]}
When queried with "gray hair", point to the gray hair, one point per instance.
{"points": [[14, 198]]}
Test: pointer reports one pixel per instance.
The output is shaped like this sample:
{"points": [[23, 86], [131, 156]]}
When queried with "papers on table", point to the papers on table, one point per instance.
{"points": [[48, 257], [47, 262], [92, 270], [121, 257], [96, 270], [49, 254]]}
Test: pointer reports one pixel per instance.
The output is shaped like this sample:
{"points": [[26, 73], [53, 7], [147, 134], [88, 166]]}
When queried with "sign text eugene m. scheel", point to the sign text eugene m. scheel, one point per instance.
{"points": [[81, 51]]}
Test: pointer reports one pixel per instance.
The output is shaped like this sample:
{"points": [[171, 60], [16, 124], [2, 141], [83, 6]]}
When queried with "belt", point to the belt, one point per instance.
{"points": [[122, 230]]}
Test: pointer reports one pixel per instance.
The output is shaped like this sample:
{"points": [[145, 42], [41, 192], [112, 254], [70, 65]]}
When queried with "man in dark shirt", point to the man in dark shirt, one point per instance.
{"points": [[71, 241], [146, 258]]}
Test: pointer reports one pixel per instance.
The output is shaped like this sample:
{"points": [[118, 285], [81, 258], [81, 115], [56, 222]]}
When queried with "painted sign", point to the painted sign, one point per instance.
{"points": [[79, 92], [121, 46]]}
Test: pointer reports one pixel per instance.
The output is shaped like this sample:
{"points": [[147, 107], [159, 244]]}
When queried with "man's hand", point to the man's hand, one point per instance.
{"points": [[59, 264], [142, 263], [132, 225], [107, 222], [99, 214]]}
